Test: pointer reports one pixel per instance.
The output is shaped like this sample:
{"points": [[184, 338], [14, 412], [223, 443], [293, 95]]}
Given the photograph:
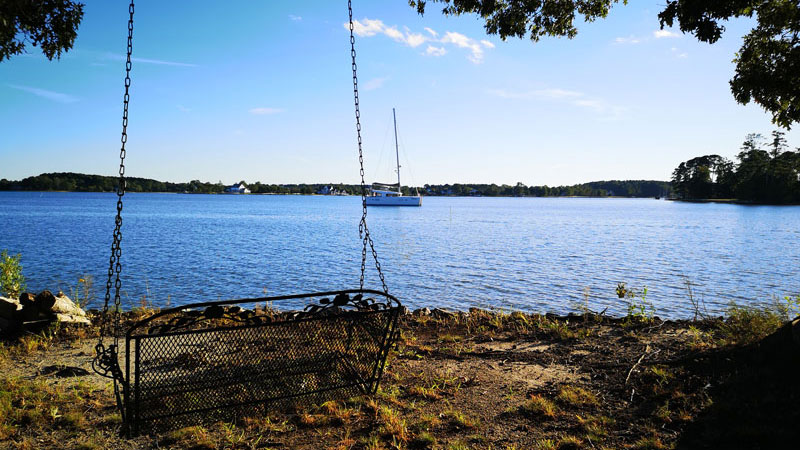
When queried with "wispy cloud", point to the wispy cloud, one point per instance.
{"points": [[159, 62], [600, 106], [539, 93], [162, 62], [295, 18], [262, 111], [44, 93], [660, 34], [183, 108], [678, 53], [435, 51], [373, 27], [374, 83], [627, 40]]}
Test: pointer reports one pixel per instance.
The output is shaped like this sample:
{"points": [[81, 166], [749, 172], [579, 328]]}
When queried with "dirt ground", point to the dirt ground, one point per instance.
{"points": [[458, 381]]}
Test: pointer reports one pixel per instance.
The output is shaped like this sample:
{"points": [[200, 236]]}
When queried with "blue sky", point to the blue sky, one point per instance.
{"points": [[261, 90]]}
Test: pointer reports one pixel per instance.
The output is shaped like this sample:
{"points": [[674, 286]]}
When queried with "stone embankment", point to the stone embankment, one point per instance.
{"points": [[41, 308]]}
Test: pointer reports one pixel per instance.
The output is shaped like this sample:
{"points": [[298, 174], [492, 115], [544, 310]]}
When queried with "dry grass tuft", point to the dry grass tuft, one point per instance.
{"points": [[576, 396], [539, 406], [392, 425]]}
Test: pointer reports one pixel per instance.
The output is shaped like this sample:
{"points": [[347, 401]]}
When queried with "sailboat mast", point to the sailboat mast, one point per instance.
{"points": [[396, 150]]}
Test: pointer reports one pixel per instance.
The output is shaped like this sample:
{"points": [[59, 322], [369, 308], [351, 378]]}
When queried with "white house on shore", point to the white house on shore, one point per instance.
{"points": [[237, 189]]}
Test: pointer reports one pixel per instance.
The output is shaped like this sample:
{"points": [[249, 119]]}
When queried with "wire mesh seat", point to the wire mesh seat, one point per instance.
{"points": [[222, 362]]}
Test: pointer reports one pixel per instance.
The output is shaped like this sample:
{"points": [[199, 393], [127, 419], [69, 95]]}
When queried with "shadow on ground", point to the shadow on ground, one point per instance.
{"points": [[756, 396]]}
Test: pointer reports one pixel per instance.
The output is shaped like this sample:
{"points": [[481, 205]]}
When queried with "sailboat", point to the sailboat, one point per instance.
{"points": [[386, 194]]}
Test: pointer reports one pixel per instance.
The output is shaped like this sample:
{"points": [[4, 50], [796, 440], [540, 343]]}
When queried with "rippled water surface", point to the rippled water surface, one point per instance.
{"points": [[535, 254]]}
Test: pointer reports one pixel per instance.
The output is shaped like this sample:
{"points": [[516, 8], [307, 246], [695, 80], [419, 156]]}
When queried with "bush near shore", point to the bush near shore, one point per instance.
{"points": [[483, 379]]}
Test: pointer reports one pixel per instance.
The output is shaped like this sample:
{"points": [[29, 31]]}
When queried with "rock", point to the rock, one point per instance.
{"points": [[796, 331], [64, 305], [422, 312], [8, 308], [68, 318], [62, 371], [7, 325], [26, 298], [44, 301], [442, 313], [31, 312]]}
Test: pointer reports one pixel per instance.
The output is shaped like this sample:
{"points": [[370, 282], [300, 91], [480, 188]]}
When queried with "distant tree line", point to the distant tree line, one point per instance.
{"points": [[629, 188], [765, 172], [67, 181]]}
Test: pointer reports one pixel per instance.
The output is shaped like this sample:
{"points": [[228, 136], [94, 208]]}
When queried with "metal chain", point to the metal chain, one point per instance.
{"points": [[114, 262], [363, 231]]}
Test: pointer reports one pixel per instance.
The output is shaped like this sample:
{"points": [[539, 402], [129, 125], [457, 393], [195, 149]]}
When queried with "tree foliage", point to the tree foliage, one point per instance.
{"points": [[68, 181], [51, 25], [767, 66], [763, 174]]}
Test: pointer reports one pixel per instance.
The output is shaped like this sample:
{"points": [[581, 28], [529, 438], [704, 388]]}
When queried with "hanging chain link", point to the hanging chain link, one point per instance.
{"points": [[114, 262], [363, 231]]}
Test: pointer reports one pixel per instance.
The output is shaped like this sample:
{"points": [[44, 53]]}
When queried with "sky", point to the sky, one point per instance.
{"points": [[262, 91]]}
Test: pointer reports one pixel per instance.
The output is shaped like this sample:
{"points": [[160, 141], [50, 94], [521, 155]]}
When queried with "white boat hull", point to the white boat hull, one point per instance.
{"points": [[411, 200]]}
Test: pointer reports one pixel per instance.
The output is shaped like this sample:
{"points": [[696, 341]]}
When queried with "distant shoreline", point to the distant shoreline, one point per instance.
{"points": [[347, 195], [730, 201], [78, 182]]}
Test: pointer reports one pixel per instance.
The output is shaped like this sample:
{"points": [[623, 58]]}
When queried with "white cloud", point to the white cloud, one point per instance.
{"points": [[459, 40], [415, 40], [295, 18], [627, 40], [183, 108], [435, 51], [373, 27], [44, 93], [394, 33], [658, 34], [374, 83], [264, 111]]}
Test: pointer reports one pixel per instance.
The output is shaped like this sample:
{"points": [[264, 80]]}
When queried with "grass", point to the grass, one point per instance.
{"points": [[595, 427], [539, 406], [426, 393], [35, 405], [576, 396], [424, 440], [459, 420], [748, 324], [392, 425], [649, 443], [430, 398]]}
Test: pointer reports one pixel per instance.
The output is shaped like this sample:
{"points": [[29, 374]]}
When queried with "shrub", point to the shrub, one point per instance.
{"points": [[748, 324], [12, 282]]}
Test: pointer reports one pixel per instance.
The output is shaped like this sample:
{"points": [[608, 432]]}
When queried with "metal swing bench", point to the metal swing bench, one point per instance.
{"points": [[212, 361]]}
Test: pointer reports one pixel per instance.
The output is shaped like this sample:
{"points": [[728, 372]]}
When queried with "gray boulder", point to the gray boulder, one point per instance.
{"points": [[64, 305], [70, 318]]}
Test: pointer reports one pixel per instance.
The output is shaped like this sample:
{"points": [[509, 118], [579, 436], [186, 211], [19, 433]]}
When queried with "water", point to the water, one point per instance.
{"points": [[532, 254]]}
